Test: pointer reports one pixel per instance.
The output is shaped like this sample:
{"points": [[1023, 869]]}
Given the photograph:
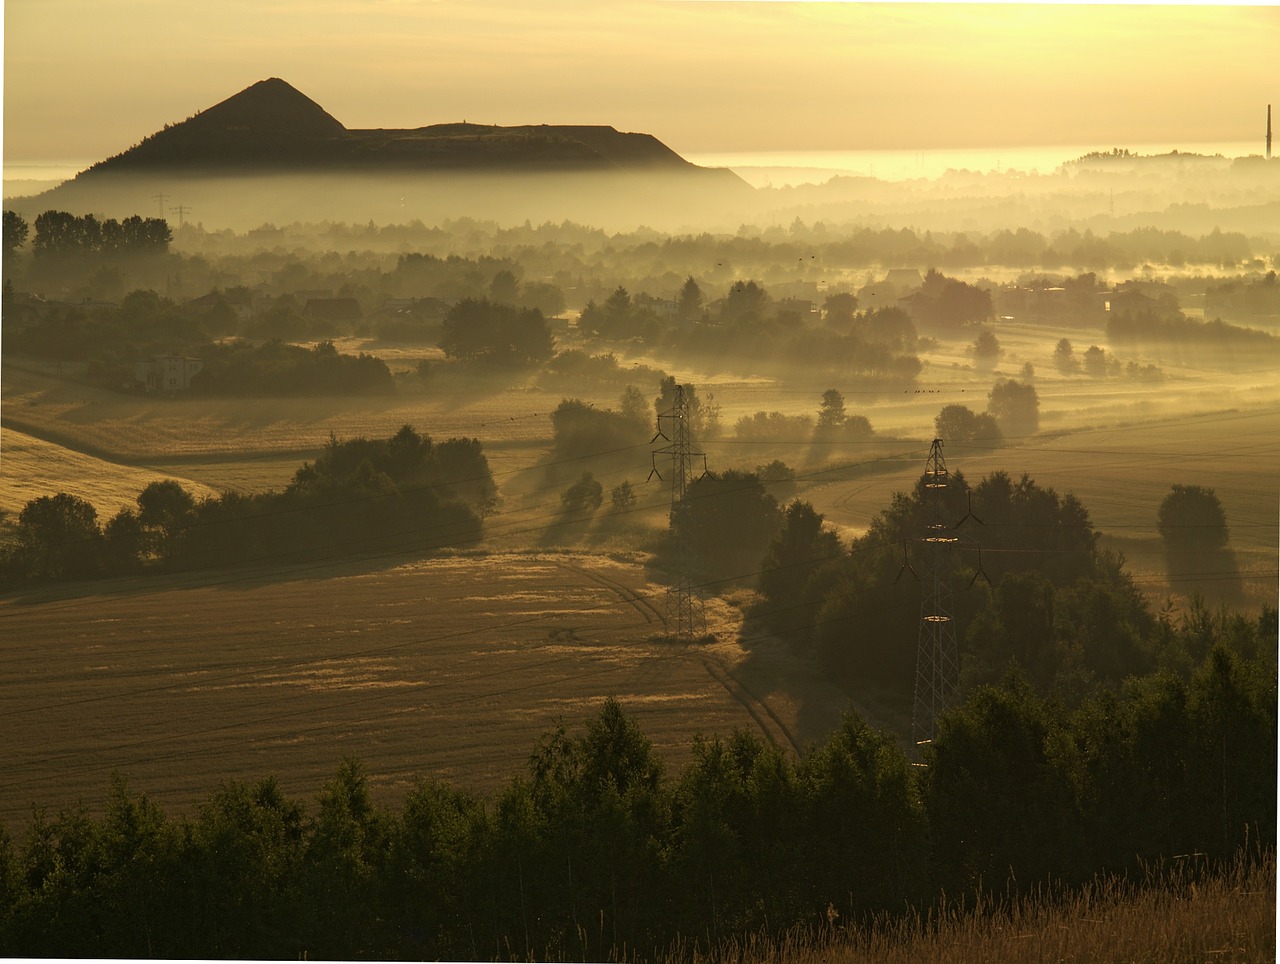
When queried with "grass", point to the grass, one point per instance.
{"points": [[1178, 916]]}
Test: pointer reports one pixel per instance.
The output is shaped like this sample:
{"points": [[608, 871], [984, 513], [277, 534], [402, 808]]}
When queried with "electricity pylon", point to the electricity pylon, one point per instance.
{"points": [[937, 656], [686, 616]]}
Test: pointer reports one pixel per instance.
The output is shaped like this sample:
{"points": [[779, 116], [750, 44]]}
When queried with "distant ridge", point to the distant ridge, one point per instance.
{"points": [[272, 126]]}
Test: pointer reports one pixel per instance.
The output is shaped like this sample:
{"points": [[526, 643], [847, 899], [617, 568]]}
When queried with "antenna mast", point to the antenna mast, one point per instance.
{"points": [[685, 613]]}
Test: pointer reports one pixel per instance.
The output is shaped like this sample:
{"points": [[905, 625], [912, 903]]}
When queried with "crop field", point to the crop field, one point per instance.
{"points": [[451, 667]]}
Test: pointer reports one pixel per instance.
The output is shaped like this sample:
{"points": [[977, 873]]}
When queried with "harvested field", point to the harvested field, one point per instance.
{"points": [[450, 667], [34, 468]]}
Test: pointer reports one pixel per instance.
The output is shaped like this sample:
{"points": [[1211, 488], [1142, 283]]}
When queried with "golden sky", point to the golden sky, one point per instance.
{"points": [[84, 79]]}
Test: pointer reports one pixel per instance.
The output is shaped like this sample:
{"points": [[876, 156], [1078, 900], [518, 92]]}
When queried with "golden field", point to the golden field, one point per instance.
{"points": [[450, 667]]}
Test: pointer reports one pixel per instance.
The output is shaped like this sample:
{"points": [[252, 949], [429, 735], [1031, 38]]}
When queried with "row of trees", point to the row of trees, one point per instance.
{"points": [[594, 852], [748, 325], [403, 494], [62, 235]]}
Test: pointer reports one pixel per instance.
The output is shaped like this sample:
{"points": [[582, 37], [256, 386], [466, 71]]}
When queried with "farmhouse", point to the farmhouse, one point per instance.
{"points": [[167, 373]]}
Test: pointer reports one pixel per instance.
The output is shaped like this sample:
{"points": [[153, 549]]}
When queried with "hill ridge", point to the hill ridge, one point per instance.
{"points": [[271, 125]]}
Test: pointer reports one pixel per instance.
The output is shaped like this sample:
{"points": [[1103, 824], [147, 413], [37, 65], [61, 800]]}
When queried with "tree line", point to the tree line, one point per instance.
{"points": [[595, 851], [402, 494]]}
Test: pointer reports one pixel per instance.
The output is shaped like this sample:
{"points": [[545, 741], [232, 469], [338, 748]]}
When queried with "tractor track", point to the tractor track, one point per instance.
{"points": [[770, 724]]}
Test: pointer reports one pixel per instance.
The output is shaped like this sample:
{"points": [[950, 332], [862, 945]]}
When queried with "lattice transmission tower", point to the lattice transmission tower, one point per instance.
{"points": [[686, 615], [937, 655]]}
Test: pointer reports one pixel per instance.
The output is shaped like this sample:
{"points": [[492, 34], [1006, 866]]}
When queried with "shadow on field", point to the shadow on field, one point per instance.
{"points": [[239, 578]]}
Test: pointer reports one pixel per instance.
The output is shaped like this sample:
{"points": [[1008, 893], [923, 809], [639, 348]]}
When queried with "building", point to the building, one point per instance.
{"points": [[167, 373]]}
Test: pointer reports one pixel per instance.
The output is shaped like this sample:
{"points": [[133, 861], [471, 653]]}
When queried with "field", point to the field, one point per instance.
{"points": [[451, 667], [454, 666]]}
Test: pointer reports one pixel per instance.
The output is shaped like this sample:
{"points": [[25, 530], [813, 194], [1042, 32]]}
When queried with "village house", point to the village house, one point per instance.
{"points": [[167, 373]]}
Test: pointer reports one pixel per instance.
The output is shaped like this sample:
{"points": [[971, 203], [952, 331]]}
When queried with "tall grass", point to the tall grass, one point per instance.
{"points": [[1180, 913]]}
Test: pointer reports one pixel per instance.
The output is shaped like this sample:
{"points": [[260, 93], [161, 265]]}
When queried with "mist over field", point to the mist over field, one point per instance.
{"points": [[635, 528]]}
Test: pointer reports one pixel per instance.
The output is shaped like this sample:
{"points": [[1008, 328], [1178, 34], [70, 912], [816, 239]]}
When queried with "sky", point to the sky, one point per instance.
{"points": [[84, 79]]}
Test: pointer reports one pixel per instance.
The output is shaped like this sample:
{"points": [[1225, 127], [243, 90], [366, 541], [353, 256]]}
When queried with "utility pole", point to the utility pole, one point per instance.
{"points": [[685, 613], [937, 655]]}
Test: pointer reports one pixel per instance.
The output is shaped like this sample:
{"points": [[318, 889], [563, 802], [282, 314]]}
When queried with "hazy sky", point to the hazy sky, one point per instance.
{"points": [[84, 79]]}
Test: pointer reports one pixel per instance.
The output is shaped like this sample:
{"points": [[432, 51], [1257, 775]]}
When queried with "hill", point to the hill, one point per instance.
{"points": [[270, 153], [273, 126]]}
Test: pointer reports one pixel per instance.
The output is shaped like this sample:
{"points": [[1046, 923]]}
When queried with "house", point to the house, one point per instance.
{"points": [[897, 284], [167, 373], [339, 311], [239, 300], [802, 308]]}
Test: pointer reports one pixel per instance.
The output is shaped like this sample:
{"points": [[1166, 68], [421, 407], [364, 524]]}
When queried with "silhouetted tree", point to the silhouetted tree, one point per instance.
{"points": [[959, 423], [1015, 407], [689, 301], [1064, 357], [58, 538], [503, 334], [15, 234]]}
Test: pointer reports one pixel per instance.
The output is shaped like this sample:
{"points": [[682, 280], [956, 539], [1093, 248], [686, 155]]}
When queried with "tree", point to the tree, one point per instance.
{"points": [[959, 423], [1064, 357], [838, 309], [689, 301], [1095, 362], [164, 509], [504, 288], [728, 520], [623, 497], [126, 541], [949, 303], [58, 537], [15, 233], [1191, 518], [482, 331], [831, 414], [801, 547], [582, 498], [1015, 407], [542, 295], [745, 302], [986, 349]]}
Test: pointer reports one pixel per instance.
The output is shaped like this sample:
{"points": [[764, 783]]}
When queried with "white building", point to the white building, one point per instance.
{"points": [[167, 373]]}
